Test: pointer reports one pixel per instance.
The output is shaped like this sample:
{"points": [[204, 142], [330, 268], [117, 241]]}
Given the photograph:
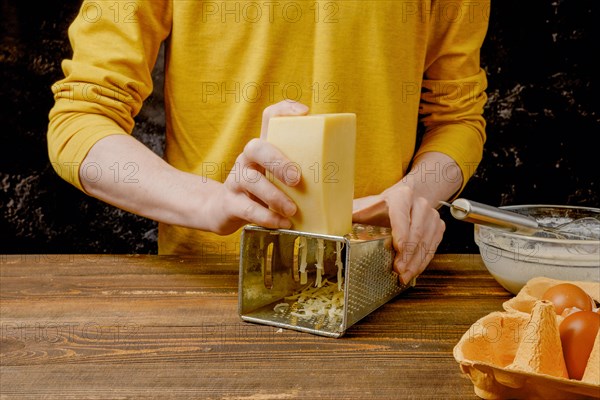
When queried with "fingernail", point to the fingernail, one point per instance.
{"points": [[292, 174], [285, 224], [299, 108], [405, 277], [289, 209], [399, 270]]}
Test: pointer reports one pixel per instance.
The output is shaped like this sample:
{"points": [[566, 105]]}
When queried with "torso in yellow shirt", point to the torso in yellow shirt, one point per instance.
{"points": [[227, 61]]}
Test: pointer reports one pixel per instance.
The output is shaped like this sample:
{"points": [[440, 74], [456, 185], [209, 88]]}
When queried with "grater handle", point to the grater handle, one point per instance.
{"points": [[483, 214]]}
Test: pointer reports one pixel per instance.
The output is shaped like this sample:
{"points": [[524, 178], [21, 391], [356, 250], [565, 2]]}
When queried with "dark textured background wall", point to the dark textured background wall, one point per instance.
{"points": [[542, 114]]}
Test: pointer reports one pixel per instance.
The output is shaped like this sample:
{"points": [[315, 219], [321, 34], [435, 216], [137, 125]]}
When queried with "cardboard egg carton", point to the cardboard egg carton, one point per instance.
{"points": [[535, 289], [517, 353]]}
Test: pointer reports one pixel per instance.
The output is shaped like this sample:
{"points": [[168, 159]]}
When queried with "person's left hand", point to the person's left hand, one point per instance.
{"points": [[417, 228]]}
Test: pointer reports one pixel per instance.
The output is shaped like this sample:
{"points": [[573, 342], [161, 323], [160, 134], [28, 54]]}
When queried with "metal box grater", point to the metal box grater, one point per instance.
{"points": [[279, 267]]}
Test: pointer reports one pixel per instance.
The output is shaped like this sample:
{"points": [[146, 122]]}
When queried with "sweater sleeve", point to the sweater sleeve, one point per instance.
{"points": [[115, 46], [453, 90]]}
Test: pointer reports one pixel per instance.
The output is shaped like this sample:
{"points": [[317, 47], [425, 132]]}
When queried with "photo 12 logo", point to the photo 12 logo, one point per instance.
{"points": [[445, 11], [327, 172], [57, 332], [269, 11], [252, 92]]}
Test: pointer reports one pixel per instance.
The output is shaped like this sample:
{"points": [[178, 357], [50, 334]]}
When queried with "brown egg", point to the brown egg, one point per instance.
{"points": [[577, 334], [568, 295]]}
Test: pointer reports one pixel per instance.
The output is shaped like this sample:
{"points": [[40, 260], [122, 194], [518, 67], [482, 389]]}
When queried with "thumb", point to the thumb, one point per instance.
{"points": [[283, 108], [371, 210]]}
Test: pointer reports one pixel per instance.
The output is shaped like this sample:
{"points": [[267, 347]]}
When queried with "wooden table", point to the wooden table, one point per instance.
{"points": [[105, 326]]}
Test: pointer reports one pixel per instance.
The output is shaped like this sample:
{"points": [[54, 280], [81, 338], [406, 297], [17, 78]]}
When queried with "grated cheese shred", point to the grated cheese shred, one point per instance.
{"points": [[321, 299], [324, 301]]}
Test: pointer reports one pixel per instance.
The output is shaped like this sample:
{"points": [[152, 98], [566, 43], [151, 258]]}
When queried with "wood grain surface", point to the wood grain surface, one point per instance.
{"points": [[154, 327]]}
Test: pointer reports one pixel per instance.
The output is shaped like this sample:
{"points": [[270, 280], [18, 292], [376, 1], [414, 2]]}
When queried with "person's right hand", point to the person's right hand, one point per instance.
{"points": [[247, 196]]}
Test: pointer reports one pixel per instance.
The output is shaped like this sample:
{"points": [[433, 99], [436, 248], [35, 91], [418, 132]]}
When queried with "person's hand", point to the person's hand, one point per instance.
{"points": [[247, 196], [417, 228]]}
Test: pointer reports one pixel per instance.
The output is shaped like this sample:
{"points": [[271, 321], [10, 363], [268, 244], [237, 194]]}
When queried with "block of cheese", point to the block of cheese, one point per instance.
{"points": [[322, 146]]}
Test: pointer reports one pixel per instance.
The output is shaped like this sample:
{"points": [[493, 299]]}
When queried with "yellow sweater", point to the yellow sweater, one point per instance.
{"points": [[393, 63]]}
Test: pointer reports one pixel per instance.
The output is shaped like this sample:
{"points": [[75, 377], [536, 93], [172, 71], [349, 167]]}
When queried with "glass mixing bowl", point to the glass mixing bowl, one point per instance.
{"points": [[513, 258]]}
